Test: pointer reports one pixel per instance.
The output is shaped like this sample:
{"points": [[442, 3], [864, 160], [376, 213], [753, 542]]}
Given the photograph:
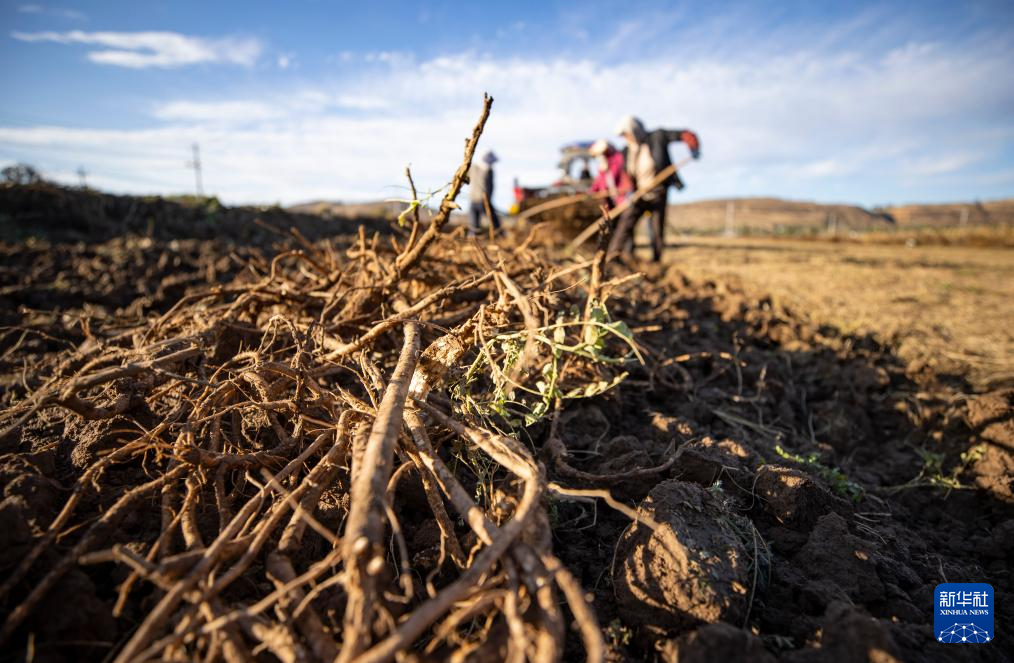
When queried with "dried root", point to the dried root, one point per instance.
{"points": [[282, 428]]}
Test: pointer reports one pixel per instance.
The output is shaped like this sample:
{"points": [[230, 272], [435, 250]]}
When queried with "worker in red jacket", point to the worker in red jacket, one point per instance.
{"points": [[647, 154], [612, 176]]}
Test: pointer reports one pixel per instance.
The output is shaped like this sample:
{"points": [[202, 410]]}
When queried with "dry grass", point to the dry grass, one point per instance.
{"points": [[946, 308], [986, 237]]}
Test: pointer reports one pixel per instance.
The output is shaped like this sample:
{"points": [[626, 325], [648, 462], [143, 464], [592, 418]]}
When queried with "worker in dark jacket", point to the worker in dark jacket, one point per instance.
{"points": [[647, 155]]}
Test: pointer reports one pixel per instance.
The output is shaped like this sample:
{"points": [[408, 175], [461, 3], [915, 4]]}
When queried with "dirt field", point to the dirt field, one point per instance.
{"points": [[279, 449], [945, 309]]}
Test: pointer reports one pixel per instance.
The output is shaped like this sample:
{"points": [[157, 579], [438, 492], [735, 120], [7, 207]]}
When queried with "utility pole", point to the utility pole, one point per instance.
{"points": [[195, 163], [832, 224], [730, 219], [964, 216], [82, 176]]}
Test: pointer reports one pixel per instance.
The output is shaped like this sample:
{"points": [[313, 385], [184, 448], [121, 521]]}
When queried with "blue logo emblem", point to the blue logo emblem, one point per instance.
{"points": [[963, 612]]}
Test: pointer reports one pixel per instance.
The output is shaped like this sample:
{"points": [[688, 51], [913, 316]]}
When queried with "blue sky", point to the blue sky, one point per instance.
{"points": [[870, 103]]}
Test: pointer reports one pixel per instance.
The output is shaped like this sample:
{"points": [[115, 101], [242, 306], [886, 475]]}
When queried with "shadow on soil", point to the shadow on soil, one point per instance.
{"points": [[862, 488]]}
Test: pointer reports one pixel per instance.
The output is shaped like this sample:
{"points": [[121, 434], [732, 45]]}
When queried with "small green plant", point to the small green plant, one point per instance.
{"points": [[758, 551], [838, 481], [618, 634], [932, 472], [553, 511], [488, 391], [212, 206], [778, 642], [480, 465], [415, 203]]}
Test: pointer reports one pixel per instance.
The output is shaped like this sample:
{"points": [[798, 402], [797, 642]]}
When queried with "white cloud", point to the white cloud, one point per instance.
{"points": [[813, 124], [59, 12], [139, 50], [943, 164], [363, 102], [223, 112], [393, 58], [823, 168], [286, 60], [515, 27], [627, 32]]}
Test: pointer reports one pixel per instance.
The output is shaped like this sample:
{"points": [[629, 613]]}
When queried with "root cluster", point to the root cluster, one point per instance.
{"points": [[331, 457]]}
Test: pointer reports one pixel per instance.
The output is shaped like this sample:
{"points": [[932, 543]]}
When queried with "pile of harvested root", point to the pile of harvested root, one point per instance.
{"points": [[422, 446], [270, 423]]}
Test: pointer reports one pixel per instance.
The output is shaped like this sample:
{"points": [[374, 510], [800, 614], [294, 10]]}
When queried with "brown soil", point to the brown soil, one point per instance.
{"points": [[876, 534], [55, 213], [943, 310], [799, 489], [560, 223]]}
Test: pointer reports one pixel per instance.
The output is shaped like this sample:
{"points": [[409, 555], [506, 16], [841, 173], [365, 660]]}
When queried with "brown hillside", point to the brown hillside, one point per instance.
{"points": [[749, 215]]}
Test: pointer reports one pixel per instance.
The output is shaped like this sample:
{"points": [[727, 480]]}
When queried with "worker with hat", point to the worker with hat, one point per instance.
{"points": [[647, 155], [480, 193]]}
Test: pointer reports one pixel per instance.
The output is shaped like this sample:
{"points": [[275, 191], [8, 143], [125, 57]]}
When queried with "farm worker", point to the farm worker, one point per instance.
{"points": [[480, 193], [646, 154], [612, 176]]}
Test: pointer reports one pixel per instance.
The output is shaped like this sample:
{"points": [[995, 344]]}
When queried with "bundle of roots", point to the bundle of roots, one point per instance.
{"points": [[273, 422]]}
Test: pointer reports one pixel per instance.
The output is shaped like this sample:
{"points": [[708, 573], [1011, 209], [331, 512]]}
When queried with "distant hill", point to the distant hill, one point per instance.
{"points": [[992, 213], [773, 215], [380, 209], [377, 210], [56, 213], [757, 215]]}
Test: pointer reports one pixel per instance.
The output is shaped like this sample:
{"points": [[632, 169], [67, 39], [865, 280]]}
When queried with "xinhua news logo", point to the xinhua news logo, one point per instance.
{"points": [[963, 613]]}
